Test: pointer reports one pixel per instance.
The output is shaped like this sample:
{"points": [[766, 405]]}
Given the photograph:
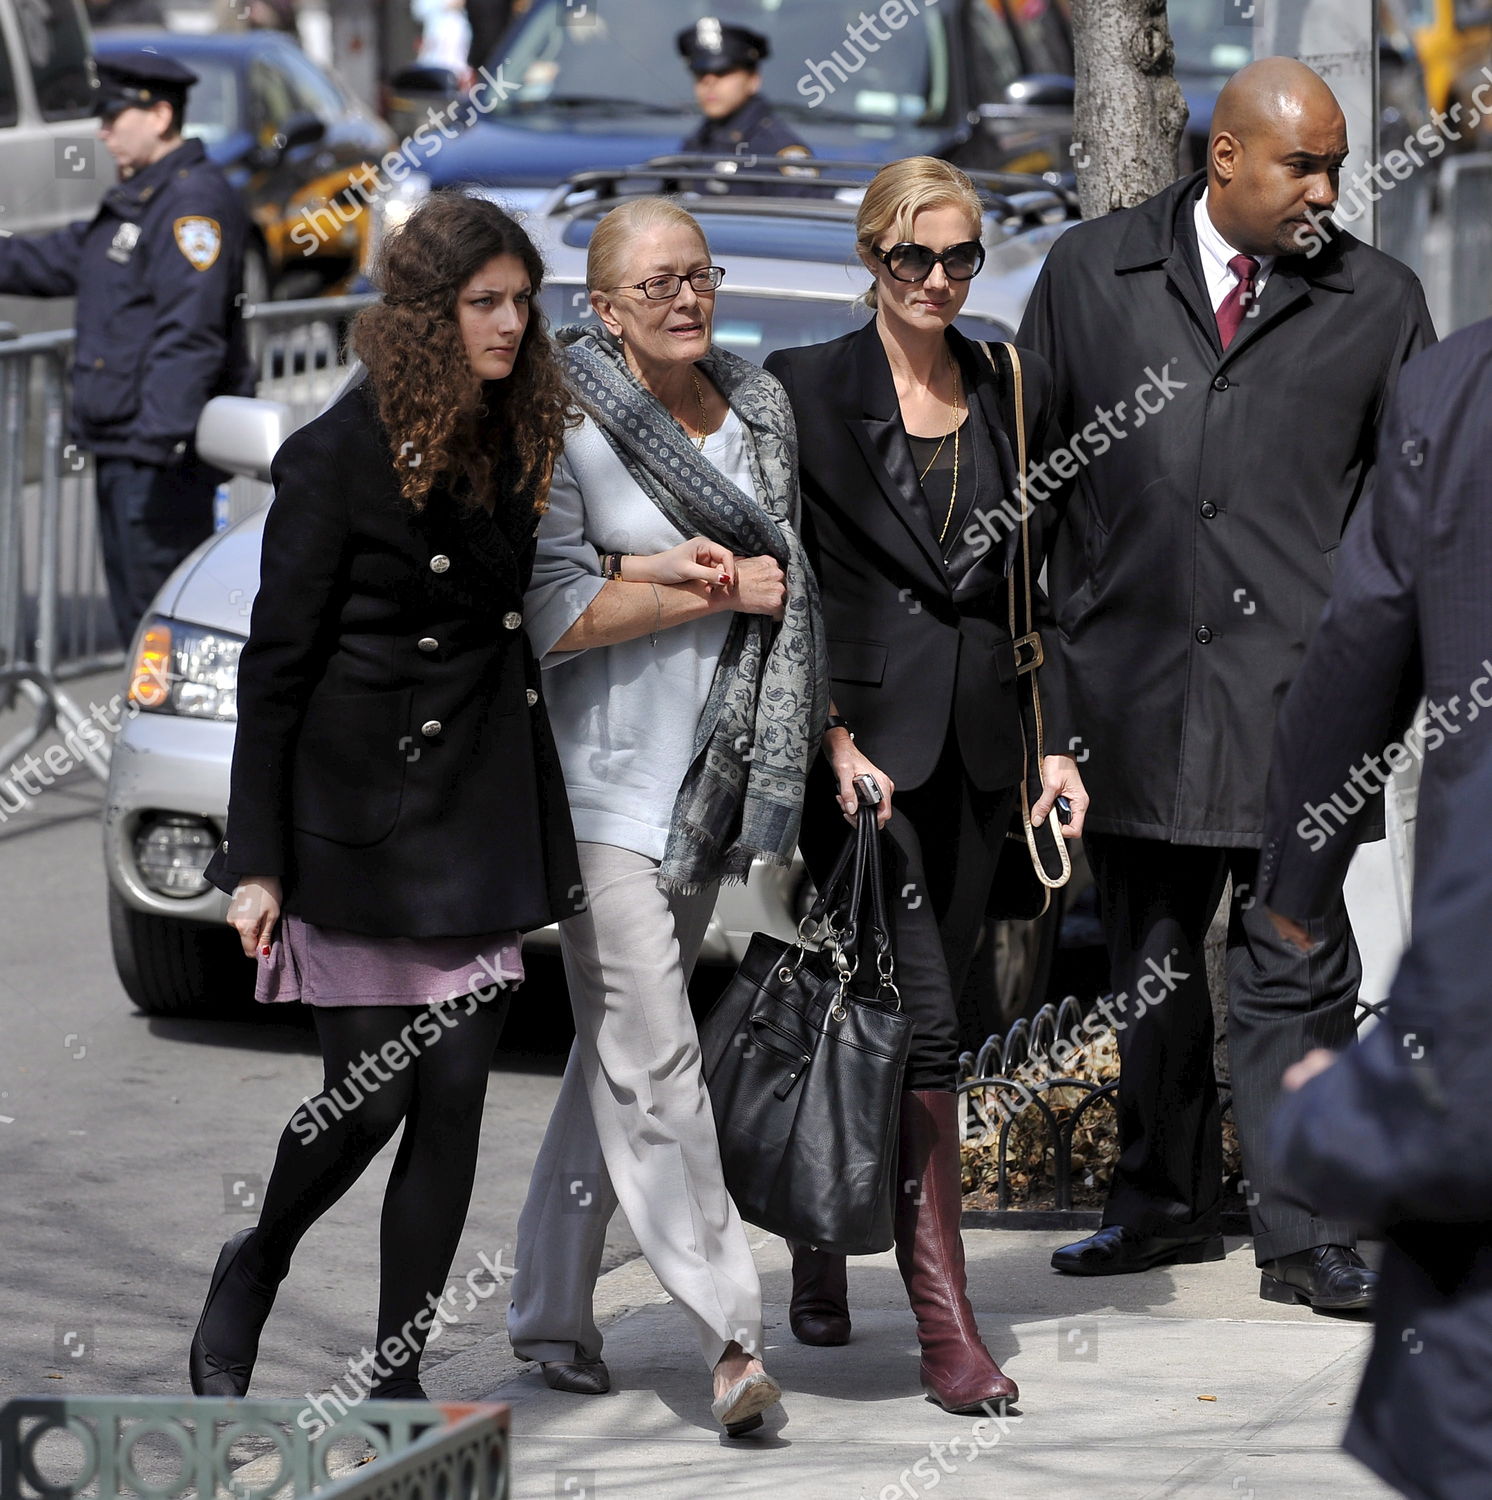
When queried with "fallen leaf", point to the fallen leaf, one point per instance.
{"points": [[1206, 1398]]}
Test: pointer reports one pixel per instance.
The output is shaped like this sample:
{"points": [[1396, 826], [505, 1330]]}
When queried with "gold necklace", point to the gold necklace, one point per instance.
{"points": [[704, 421], [954, 429]]}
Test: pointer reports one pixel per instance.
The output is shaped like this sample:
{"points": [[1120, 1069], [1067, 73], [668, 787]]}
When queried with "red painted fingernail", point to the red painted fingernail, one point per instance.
{"points": [[265, 950]]}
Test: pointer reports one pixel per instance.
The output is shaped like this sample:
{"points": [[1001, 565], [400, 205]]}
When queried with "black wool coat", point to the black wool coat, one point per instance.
{"points": [[393, 762], [1410, 614], [1204, 494], [909, 653]]}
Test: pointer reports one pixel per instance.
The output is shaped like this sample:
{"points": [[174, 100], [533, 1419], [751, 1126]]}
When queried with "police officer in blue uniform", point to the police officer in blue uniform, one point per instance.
{"points": [[738, 122], [157, 274]]}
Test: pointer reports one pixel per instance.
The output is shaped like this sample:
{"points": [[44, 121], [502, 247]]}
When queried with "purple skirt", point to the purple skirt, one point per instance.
{"points": [[326, 966]]}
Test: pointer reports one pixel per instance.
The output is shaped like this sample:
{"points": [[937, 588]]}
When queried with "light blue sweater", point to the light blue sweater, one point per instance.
{"points": [[625, 717]]}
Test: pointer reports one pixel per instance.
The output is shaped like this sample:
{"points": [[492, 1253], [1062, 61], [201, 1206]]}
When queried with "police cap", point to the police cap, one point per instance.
{"points": [[138, 79], [710, 47]]}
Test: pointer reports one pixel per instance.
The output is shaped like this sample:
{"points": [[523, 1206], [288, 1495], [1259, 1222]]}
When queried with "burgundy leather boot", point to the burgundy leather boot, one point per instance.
{"points": [[957, 1370], [819, 1312]]}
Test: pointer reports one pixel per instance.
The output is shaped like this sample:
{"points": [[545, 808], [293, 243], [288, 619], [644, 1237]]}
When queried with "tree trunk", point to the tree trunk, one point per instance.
{"points": [[1129, 111]]}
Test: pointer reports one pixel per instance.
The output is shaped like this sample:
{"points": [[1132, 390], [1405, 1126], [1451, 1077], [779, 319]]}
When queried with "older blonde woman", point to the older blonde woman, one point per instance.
{"points": [[683, 656], [909, 489]]}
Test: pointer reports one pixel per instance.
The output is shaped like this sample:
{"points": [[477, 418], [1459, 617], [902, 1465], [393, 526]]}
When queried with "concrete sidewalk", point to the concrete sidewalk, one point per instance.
{"points": [[1178, 1382]]}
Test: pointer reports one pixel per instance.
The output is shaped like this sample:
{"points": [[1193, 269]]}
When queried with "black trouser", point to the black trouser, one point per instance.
{"points": [[149, 518], [940, 851], [1157, 900]]}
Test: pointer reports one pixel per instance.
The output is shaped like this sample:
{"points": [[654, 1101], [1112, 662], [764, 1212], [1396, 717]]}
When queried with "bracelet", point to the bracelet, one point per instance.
{"points": [[838, 721], [658, 602], [611, 565]]}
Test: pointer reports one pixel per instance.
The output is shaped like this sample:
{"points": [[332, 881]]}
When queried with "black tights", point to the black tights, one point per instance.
{"points": [[332, 1137]]}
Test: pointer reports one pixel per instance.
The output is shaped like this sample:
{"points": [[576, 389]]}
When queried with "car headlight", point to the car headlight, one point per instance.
{"points": [[186, 670]]}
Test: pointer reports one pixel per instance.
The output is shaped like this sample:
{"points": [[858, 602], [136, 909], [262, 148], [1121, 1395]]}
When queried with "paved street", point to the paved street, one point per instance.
{"points": [[122, 1139], [132, 1147]]}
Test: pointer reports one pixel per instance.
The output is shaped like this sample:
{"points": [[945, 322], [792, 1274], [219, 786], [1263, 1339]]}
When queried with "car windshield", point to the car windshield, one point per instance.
{"points": [[1211, 37], [212, 107], [754, 324], [622, 57]]}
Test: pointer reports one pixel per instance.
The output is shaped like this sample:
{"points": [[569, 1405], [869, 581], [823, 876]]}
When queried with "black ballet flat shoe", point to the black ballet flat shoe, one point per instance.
{"points": [[579, 1377], [212, 1374]]}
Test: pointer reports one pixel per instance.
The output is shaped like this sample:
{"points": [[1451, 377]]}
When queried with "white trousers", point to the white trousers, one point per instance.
{"points": [[632, 1125]]}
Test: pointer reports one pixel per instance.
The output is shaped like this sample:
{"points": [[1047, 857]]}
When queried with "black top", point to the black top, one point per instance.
{"points": [[978, 485]]}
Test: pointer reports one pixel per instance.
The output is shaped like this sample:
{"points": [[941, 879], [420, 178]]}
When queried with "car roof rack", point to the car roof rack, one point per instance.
{"points": [[1013, 198]]}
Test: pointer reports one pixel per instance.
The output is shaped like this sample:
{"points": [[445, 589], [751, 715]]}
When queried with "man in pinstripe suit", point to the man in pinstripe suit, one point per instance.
{"points": [[1410, 618]]}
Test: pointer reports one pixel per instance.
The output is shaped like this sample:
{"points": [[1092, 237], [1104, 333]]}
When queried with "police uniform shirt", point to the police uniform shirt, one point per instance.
{"points": [[157, 274], [752, 131]]}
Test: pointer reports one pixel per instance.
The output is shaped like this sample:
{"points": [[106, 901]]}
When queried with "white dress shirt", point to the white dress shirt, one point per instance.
{"points": [[1217, 252]]}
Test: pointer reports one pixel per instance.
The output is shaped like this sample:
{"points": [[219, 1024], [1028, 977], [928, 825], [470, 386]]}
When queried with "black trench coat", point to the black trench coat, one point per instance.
{"points": [[1195, 552], [393, 763]]}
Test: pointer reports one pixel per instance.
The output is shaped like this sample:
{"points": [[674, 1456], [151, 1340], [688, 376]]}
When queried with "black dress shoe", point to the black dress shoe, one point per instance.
{"points": [[580, 1378], [1116, 1250], [1329, 1278], [215, 1372]]}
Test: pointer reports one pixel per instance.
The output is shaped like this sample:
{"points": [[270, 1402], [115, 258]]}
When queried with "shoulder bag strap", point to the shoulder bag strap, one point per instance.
{"points": [[1049, 856]]}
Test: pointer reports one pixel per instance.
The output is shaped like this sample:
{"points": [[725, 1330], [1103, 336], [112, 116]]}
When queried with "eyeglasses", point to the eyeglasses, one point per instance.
{"points": [[911, 262], [666, 288]]}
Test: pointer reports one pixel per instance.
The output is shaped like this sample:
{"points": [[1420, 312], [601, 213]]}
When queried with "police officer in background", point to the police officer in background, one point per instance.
{"points": [[157, 273], [727, 86]]}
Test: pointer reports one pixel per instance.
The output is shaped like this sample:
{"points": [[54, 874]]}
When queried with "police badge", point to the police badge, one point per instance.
{"points": [[199, 240]]}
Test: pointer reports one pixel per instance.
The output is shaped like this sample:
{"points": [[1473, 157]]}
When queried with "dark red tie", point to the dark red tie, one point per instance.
{"points": [[1235, 306]]}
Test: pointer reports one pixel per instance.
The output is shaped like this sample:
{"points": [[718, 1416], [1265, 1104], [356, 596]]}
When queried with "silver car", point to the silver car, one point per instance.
{"points": [[168, 787]]}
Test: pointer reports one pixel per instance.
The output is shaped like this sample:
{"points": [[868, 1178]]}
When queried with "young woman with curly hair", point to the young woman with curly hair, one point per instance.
{"points": [[397, 815]]}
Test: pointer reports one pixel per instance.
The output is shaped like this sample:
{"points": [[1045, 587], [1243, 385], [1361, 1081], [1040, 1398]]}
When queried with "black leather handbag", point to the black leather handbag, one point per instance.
{"points": [[804, 1055]]}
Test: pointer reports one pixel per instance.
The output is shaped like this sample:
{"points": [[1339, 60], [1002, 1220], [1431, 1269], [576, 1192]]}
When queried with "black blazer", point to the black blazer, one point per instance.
{"points": [[907, 654], [393, 762], [1410, 614], [1212, 488]]}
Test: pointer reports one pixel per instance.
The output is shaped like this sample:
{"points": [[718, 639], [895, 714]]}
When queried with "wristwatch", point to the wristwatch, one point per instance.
{"points": [[611, 565], [838, 721]]}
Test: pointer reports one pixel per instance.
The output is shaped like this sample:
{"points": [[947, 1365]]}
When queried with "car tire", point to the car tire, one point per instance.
{"points": [[177, 968]]}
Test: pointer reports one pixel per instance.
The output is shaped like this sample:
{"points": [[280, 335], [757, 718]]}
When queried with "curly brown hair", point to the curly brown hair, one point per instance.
{"points": [[479, 438]]}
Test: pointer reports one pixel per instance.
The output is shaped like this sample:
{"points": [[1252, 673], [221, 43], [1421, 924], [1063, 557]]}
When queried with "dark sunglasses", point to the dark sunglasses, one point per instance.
{"points": [[912, 262]]}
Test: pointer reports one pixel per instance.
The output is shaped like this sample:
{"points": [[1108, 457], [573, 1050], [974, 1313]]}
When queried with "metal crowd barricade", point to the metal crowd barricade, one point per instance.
{"points": [[162, 1448], [54, 615], [1016, 1072]]}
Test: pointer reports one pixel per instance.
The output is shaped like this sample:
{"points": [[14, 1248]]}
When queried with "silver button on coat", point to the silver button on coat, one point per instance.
{"points": [[532, 696], [428, 643], [430, 728], [439, 563], [512, 619]]}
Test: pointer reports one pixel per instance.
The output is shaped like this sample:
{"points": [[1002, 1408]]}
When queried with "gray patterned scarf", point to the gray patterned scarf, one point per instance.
{"points": [[742, 797]]}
